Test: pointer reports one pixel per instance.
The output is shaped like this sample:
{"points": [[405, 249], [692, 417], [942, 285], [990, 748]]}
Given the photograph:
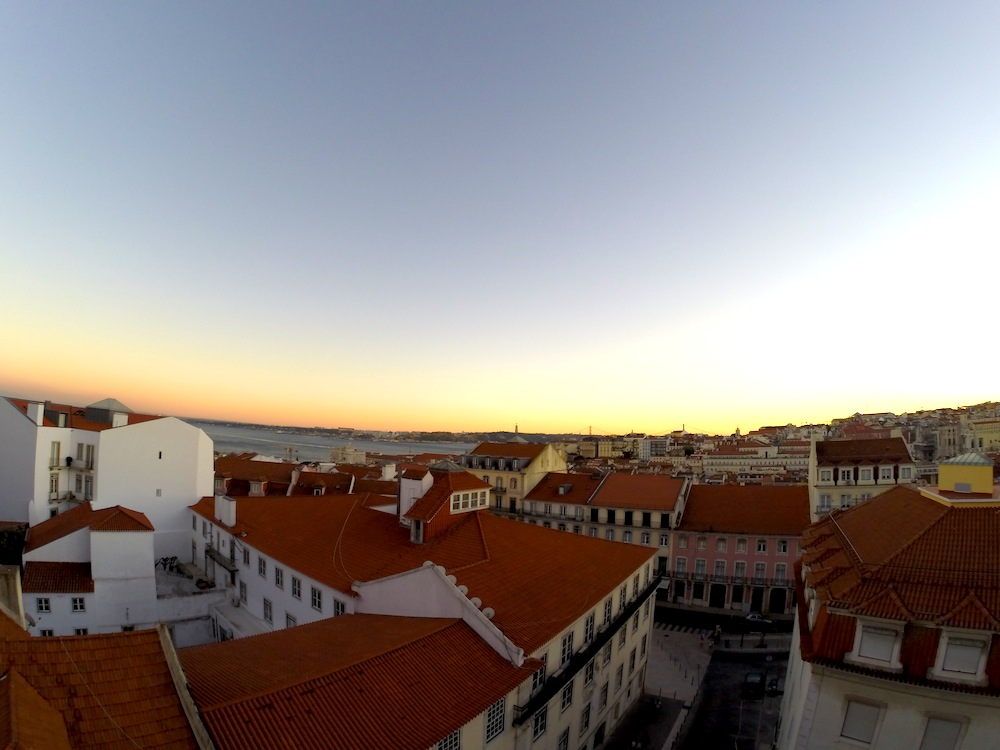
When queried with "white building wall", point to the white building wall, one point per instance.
{"points": [[159, 468], [73, 547], [17, 459], [61, 619], [124, 579]]}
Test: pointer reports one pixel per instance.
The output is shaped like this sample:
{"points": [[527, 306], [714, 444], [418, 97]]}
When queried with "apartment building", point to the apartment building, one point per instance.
{"points": [[513, 469], [896, 640], [843, 473], [734, 547], [58, 456], [575, 610], [757, 458]]}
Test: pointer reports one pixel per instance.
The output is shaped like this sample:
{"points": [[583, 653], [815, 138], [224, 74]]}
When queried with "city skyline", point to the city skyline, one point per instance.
{"points": [[462, 218]]}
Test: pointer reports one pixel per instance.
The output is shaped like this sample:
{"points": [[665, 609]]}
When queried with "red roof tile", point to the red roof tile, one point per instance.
{"points": [[639, 492], [26, 718], [858, 451], [498, 559], [362, 681], [771, 509], [508, 450], [57, 578], [84, 516], [557, 487], [113, 691]]}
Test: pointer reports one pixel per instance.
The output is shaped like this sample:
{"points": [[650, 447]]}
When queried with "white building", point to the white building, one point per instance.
{"points": [[55, 457], [575, 609]]}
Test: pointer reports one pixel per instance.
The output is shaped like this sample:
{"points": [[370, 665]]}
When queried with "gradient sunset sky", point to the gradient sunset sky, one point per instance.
{"points": [[462, 216]]}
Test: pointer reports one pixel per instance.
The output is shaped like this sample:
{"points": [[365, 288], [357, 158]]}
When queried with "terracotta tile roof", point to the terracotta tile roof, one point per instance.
{"points": [[57, 578], [114, 691], [362, 681], [508, 450], [771, 509], [579, 488], [639, 492], [240, 470], [84, 516], [76, 416], [898, 554], [857, 451], [376, 486], [26, 718], [498, 559]]}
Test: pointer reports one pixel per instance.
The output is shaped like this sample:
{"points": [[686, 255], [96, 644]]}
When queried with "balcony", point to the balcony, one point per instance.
{"points": [[554, 684]]}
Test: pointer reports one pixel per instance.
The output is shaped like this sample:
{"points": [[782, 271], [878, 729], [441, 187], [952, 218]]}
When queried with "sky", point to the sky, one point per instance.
{"points": [[466, 216]]}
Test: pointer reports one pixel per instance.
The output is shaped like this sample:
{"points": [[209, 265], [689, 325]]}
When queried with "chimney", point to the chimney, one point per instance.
{"points": [[36, 412], [225, 510]]}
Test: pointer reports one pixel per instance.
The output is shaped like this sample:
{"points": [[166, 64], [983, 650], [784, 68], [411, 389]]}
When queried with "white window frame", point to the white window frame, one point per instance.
{"points": [[942, 732], [858, 720], [452, 742], [960, 639], [538, 722], [877, 643]]}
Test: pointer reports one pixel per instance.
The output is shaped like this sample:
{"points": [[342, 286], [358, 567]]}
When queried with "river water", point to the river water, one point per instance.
{"points": [[271, 441]]}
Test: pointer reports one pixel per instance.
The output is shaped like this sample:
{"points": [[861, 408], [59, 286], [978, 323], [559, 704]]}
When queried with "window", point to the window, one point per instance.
{"points": [[43, 605], [759, 572], [588, 628], [567, 696], [279, 578], [681, 566], [339, 608], [316, 599], [566, 652], [885, 472], [877, 643], [495, 715], [941, 734], [631, 662], [563, 740], [53, 483], [860, 721], [548, 509], [585, 720], [627, 536], [604, 697], [79, 631], [452, 742], [846, 475], [588, 673], [761, 546], [845, 500], [268, 614], [622, 634], [609, 535], [720, 569], [635, 585], [642, 649], [699, 568], [645, 610], [866, 475], [46, 633], [607, 613], [826, 475], [606, 655], [296, 588], [79, 605], [290, 621], [782, 546], [593, 532], [538, 676], [513, 483], [611, 516], [741, 546], [618, 676], [246, 557], [262, 567], [243, 592], [779, 572], [682, 541], [904, 473], [825, 502], [622, 593], [741, 571], [664, 540], [961, 658], [538, 722], [702, 542], [194, 523], [635, 622], [579, 513], [720, 544]]}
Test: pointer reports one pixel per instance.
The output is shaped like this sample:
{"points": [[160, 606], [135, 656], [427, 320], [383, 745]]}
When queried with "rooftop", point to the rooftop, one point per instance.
{"points": [[639, 492], [857, 451], [84, 516], [751, 509], [348, 682]]}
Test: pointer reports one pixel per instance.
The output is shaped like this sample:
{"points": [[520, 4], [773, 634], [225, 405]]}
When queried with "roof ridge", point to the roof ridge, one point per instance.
{"points": [[970, 599], [486, 546], [889, 562]]}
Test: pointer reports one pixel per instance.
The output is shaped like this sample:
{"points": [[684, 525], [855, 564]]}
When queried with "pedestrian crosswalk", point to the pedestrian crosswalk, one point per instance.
{"points": [[671, 628]]}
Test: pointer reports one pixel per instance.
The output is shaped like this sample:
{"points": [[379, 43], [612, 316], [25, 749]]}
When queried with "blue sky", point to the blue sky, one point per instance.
{"points": [[461, 216]]}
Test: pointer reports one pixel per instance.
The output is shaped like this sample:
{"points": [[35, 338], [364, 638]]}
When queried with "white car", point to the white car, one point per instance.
{"points": [[758, 618]]}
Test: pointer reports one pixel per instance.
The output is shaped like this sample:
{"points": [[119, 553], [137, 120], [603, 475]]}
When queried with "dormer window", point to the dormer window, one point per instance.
{"points": [[961, 657], [877, 645], [256, 488], [826, 475]]}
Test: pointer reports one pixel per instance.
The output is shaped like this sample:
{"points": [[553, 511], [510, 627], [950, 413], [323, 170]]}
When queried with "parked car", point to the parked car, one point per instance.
{"points": [[753, 686], [756, 618]]}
